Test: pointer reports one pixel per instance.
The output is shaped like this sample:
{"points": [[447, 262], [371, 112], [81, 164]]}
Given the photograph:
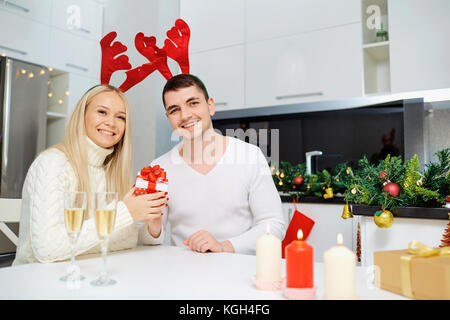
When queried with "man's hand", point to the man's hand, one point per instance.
{"points": [[203, 241]]}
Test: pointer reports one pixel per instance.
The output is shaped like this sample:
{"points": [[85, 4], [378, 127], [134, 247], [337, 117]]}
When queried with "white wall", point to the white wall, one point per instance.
{"points": [[169, 11], [153, 18]]}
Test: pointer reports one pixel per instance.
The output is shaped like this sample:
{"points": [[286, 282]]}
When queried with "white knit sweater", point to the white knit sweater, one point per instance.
{"points": [[42, 233], [235, 201]]}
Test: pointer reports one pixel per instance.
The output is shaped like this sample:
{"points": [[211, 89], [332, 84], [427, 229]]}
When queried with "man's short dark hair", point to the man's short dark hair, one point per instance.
{"points": [[184, 81]]}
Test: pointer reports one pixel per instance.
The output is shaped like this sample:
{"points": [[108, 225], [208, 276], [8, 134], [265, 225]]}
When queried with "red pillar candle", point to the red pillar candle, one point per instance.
{"points": [[299, 263]]}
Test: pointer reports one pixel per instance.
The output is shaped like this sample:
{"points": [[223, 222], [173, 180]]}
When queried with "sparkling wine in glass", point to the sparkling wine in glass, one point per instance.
{"points": [[105, 218], [74, 210]]}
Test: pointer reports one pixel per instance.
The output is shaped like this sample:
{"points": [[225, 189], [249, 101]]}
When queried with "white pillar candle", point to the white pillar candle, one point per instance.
{"points": [[339, 272], [268, 257]]}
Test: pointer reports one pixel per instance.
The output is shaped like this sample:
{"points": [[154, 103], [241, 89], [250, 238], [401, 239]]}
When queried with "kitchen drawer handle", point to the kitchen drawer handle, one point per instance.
{"points": [[16, 6], [220, 104], [300, 95], [84, 30], [14, 50], [70, 65]]}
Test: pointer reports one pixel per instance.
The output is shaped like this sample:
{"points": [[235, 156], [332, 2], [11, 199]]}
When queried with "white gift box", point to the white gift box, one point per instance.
{"points": [[160, 185]]}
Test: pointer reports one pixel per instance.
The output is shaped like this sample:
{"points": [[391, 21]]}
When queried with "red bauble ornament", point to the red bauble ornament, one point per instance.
{"points": [[383, 174], [298, 180], [392, 188]]}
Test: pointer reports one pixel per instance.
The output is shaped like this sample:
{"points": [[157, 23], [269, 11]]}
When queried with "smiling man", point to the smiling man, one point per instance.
{"points": [[222, 196]]}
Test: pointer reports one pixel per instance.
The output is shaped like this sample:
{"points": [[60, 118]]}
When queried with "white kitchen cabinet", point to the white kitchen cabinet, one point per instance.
{"points": [[222, 71], [75, 54], [314, 66], [377, 73], [23, 38], [69, 88], [419, 46], [58, 94], [398, 236], [288, 211], [57, 107], [78, 86], [327, 224], [213, 23], [267, 19], [31, 9], [82, 17]]}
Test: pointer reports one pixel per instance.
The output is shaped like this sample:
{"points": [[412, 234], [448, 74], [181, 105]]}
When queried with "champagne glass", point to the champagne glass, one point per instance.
{"points": [[105, 218], [74, 209]]}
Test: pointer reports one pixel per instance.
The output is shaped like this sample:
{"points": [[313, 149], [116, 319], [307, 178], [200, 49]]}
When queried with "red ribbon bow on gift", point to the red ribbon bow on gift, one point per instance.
{"points": [[155, 173], [152, 175]]}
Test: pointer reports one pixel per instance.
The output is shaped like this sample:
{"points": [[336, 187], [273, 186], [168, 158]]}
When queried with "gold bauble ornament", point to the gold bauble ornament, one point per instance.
{"points": [[420, 182], [383, 218], [328, 193], [347, 213]]}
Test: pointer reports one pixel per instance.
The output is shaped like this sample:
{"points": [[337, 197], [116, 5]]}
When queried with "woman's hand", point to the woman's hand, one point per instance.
{"points": [[154, 227], [145, 207]]}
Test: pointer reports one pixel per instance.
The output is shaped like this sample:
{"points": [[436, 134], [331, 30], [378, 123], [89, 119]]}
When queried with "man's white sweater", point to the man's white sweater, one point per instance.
{"points": [[42, 233], [234, 201]]}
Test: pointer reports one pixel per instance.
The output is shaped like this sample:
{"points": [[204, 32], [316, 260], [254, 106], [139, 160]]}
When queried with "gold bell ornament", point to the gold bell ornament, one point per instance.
{"points": [[328, 193], [347, 213], [383, 218]]}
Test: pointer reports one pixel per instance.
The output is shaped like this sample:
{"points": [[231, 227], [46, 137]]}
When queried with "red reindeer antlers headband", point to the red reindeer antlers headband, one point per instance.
{"points": [[176, 48]]}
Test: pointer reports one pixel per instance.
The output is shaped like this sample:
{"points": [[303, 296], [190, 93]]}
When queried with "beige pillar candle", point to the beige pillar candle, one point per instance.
{"points": [[339, 272], [268, 257]]}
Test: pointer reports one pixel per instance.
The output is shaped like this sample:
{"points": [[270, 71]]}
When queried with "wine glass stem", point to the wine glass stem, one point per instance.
{"points": [[72, 255], [104, 274]]}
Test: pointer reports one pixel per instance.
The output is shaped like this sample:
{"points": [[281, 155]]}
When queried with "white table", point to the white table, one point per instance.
{"points": [[160, 272]]}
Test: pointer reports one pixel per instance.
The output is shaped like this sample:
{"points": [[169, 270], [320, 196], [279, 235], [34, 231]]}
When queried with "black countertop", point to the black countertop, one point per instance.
{"points": [[312, 199], [404, 212], [364, 210]]}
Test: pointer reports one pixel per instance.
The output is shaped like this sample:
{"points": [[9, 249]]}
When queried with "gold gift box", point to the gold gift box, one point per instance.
{"points": [[415, 276]]}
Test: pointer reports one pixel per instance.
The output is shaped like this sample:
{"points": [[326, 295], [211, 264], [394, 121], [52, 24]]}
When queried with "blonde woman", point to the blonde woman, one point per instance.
{"points": [[95, 155]]}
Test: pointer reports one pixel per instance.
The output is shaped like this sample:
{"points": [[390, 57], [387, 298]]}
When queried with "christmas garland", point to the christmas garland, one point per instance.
{"points": [[390, 183]]}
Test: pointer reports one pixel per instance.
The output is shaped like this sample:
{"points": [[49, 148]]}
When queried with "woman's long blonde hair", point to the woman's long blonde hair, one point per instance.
{"points": [[117, 165]]}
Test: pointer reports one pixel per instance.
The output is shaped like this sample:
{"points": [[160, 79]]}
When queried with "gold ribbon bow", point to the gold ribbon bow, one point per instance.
{"points": [[416, 249]]}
